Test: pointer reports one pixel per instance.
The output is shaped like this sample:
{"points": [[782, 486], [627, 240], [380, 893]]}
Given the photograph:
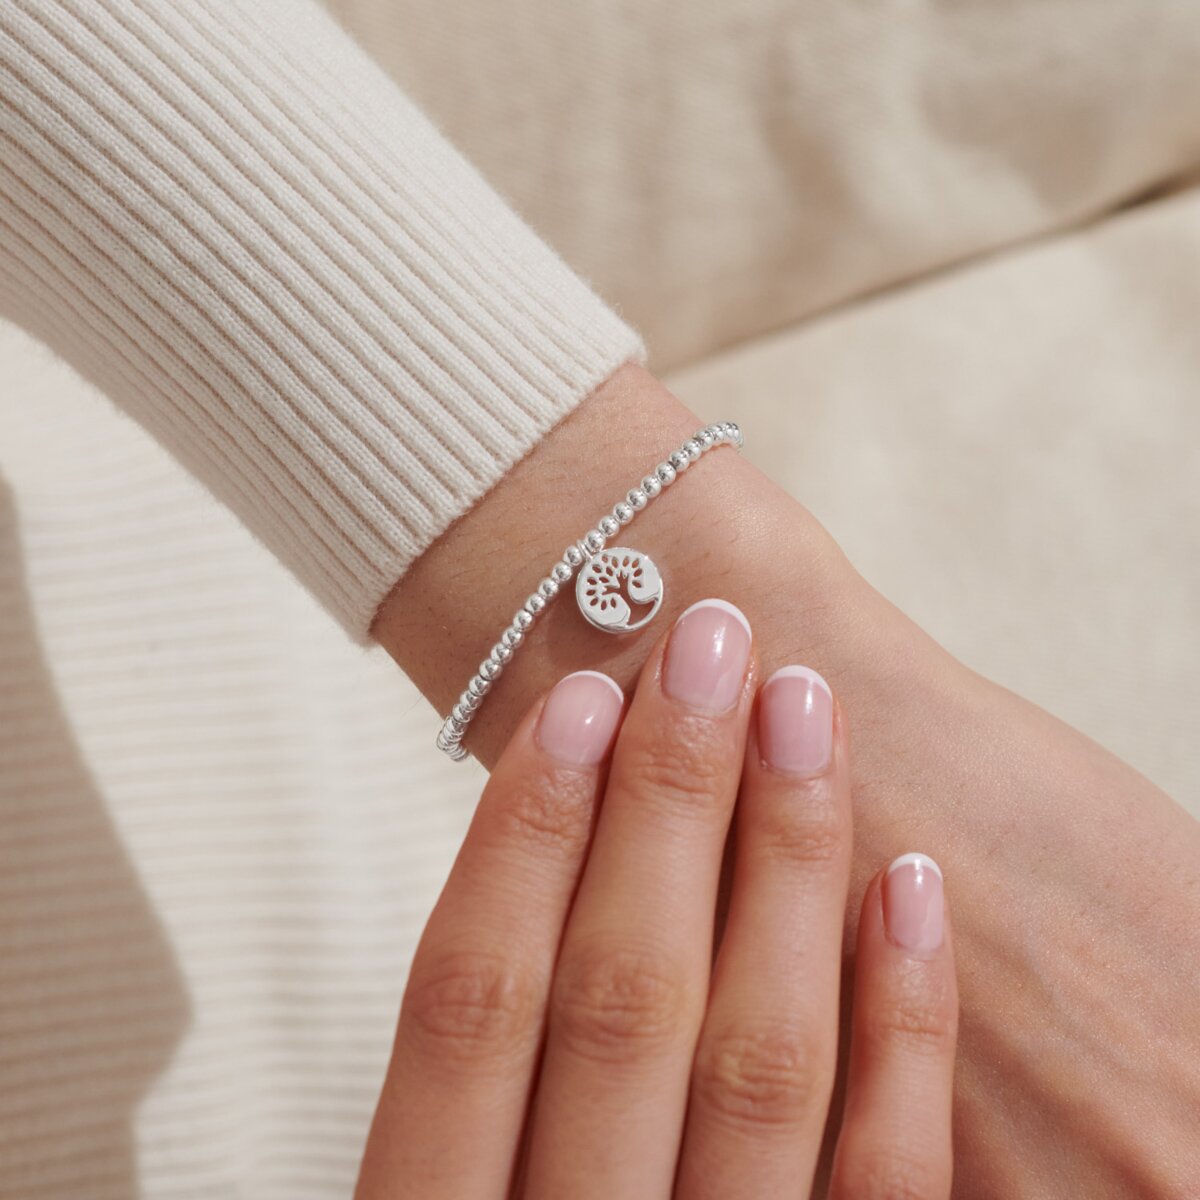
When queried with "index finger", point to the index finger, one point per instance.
{"points": [[450, 1118]]}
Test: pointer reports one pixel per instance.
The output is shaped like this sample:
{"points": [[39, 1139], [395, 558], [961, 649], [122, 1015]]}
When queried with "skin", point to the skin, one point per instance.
{"points": [[1076, 882], [565, 1031]]}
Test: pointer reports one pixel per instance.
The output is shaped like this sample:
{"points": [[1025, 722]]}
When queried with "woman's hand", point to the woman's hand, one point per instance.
{"points": [[1077, 895], [566, 1032]]}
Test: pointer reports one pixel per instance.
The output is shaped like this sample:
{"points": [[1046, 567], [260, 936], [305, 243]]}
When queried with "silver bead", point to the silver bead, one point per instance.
{"points": [[608, 526], [489, 669], [693, 449], [680, 461], [459, 713], [652, 485], [623, 512], [478, 687], [733, 433], [706, 437], [522, 620], [470, 702], [534, 605], [548, 588], [637, 499], [594, 541], [512, 637], [501, 652], [665, 473], [562, 571], [573, 555]]}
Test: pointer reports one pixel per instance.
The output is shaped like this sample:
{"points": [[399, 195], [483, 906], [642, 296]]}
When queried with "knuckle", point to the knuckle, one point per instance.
{"points": [[616, 1005], [548, 813], [677, 774], [806, 835], [884, 1174], [472, 1008], [918, 1013], [766, 1078]]}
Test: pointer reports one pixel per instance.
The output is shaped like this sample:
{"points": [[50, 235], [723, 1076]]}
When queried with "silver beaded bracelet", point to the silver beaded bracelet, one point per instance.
{"points": [[618, 589]]}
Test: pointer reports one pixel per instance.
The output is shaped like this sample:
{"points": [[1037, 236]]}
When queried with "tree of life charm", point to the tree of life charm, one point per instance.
{"points": [[619, 590]]}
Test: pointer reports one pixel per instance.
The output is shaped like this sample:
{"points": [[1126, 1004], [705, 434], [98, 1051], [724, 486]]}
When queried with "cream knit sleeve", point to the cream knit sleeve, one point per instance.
{"points": [[226, 216]]}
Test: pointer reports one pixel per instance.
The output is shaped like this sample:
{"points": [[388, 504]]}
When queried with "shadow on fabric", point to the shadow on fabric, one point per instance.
{"points": [[92, 1001]]}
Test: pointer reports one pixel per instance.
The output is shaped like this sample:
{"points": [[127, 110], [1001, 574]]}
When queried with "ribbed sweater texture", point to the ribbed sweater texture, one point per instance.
{"points": [[222, 826], [226, 216]]}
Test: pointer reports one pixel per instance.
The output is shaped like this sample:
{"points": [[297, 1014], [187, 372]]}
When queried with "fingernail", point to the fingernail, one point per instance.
{"points": [[707, 656], [580, 717], [795, 721], [912, 903]]}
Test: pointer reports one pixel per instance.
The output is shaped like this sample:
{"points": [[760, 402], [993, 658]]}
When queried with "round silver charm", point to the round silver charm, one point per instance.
{"points": [[619, 589]]}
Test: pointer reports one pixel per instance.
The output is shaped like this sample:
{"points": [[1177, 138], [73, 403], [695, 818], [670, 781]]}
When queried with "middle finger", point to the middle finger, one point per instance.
{"points": [[633, 973]]}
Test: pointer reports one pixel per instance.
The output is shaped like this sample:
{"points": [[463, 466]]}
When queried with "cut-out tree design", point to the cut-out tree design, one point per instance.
{"points": [[619, 589]]}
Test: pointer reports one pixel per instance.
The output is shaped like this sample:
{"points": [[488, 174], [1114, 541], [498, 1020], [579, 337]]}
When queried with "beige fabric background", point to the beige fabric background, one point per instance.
{"points": [[884, 237], [721, 168]]}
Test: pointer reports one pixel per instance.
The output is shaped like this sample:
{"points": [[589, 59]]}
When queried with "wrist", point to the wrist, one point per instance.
{"points": [[722, 530]]}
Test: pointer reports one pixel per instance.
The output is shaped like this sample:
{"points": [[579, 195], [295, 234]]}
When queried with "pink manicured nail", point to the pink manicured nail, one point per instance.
{"points": [[795, 721], [912, 903], [580, 717], [707, 656]]}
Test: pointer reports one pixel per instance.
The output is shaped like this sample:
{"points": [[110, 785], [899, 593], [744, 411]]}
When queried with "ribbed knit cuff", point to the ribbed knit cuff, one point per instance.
{"points": [[229, 218]]}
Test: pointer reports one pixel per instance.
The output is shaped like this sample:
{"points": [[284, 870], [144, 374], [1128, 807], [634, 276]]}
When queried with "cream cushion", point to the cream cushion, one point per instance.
{"points": [[722, 168]]}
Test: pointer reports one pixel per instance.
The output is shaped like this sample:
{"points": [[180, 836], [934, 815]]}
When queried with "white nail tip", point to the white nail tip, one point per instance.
{"points": [[724, 606], [915, 860], [612, 683], [798, 672]]}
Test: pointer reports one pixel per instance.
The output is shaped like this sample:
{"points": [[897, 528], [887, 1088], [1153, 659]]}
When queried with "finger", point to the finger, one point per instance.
{"points": [[767, 1054], [895, 1138], [457, 1089], [632, 978]]}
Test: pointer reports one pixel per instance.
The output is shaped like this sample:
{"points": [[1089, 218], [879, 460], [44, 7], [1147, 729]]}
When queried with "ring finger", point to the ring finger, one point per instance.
{"points": [[765, 1063]]}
